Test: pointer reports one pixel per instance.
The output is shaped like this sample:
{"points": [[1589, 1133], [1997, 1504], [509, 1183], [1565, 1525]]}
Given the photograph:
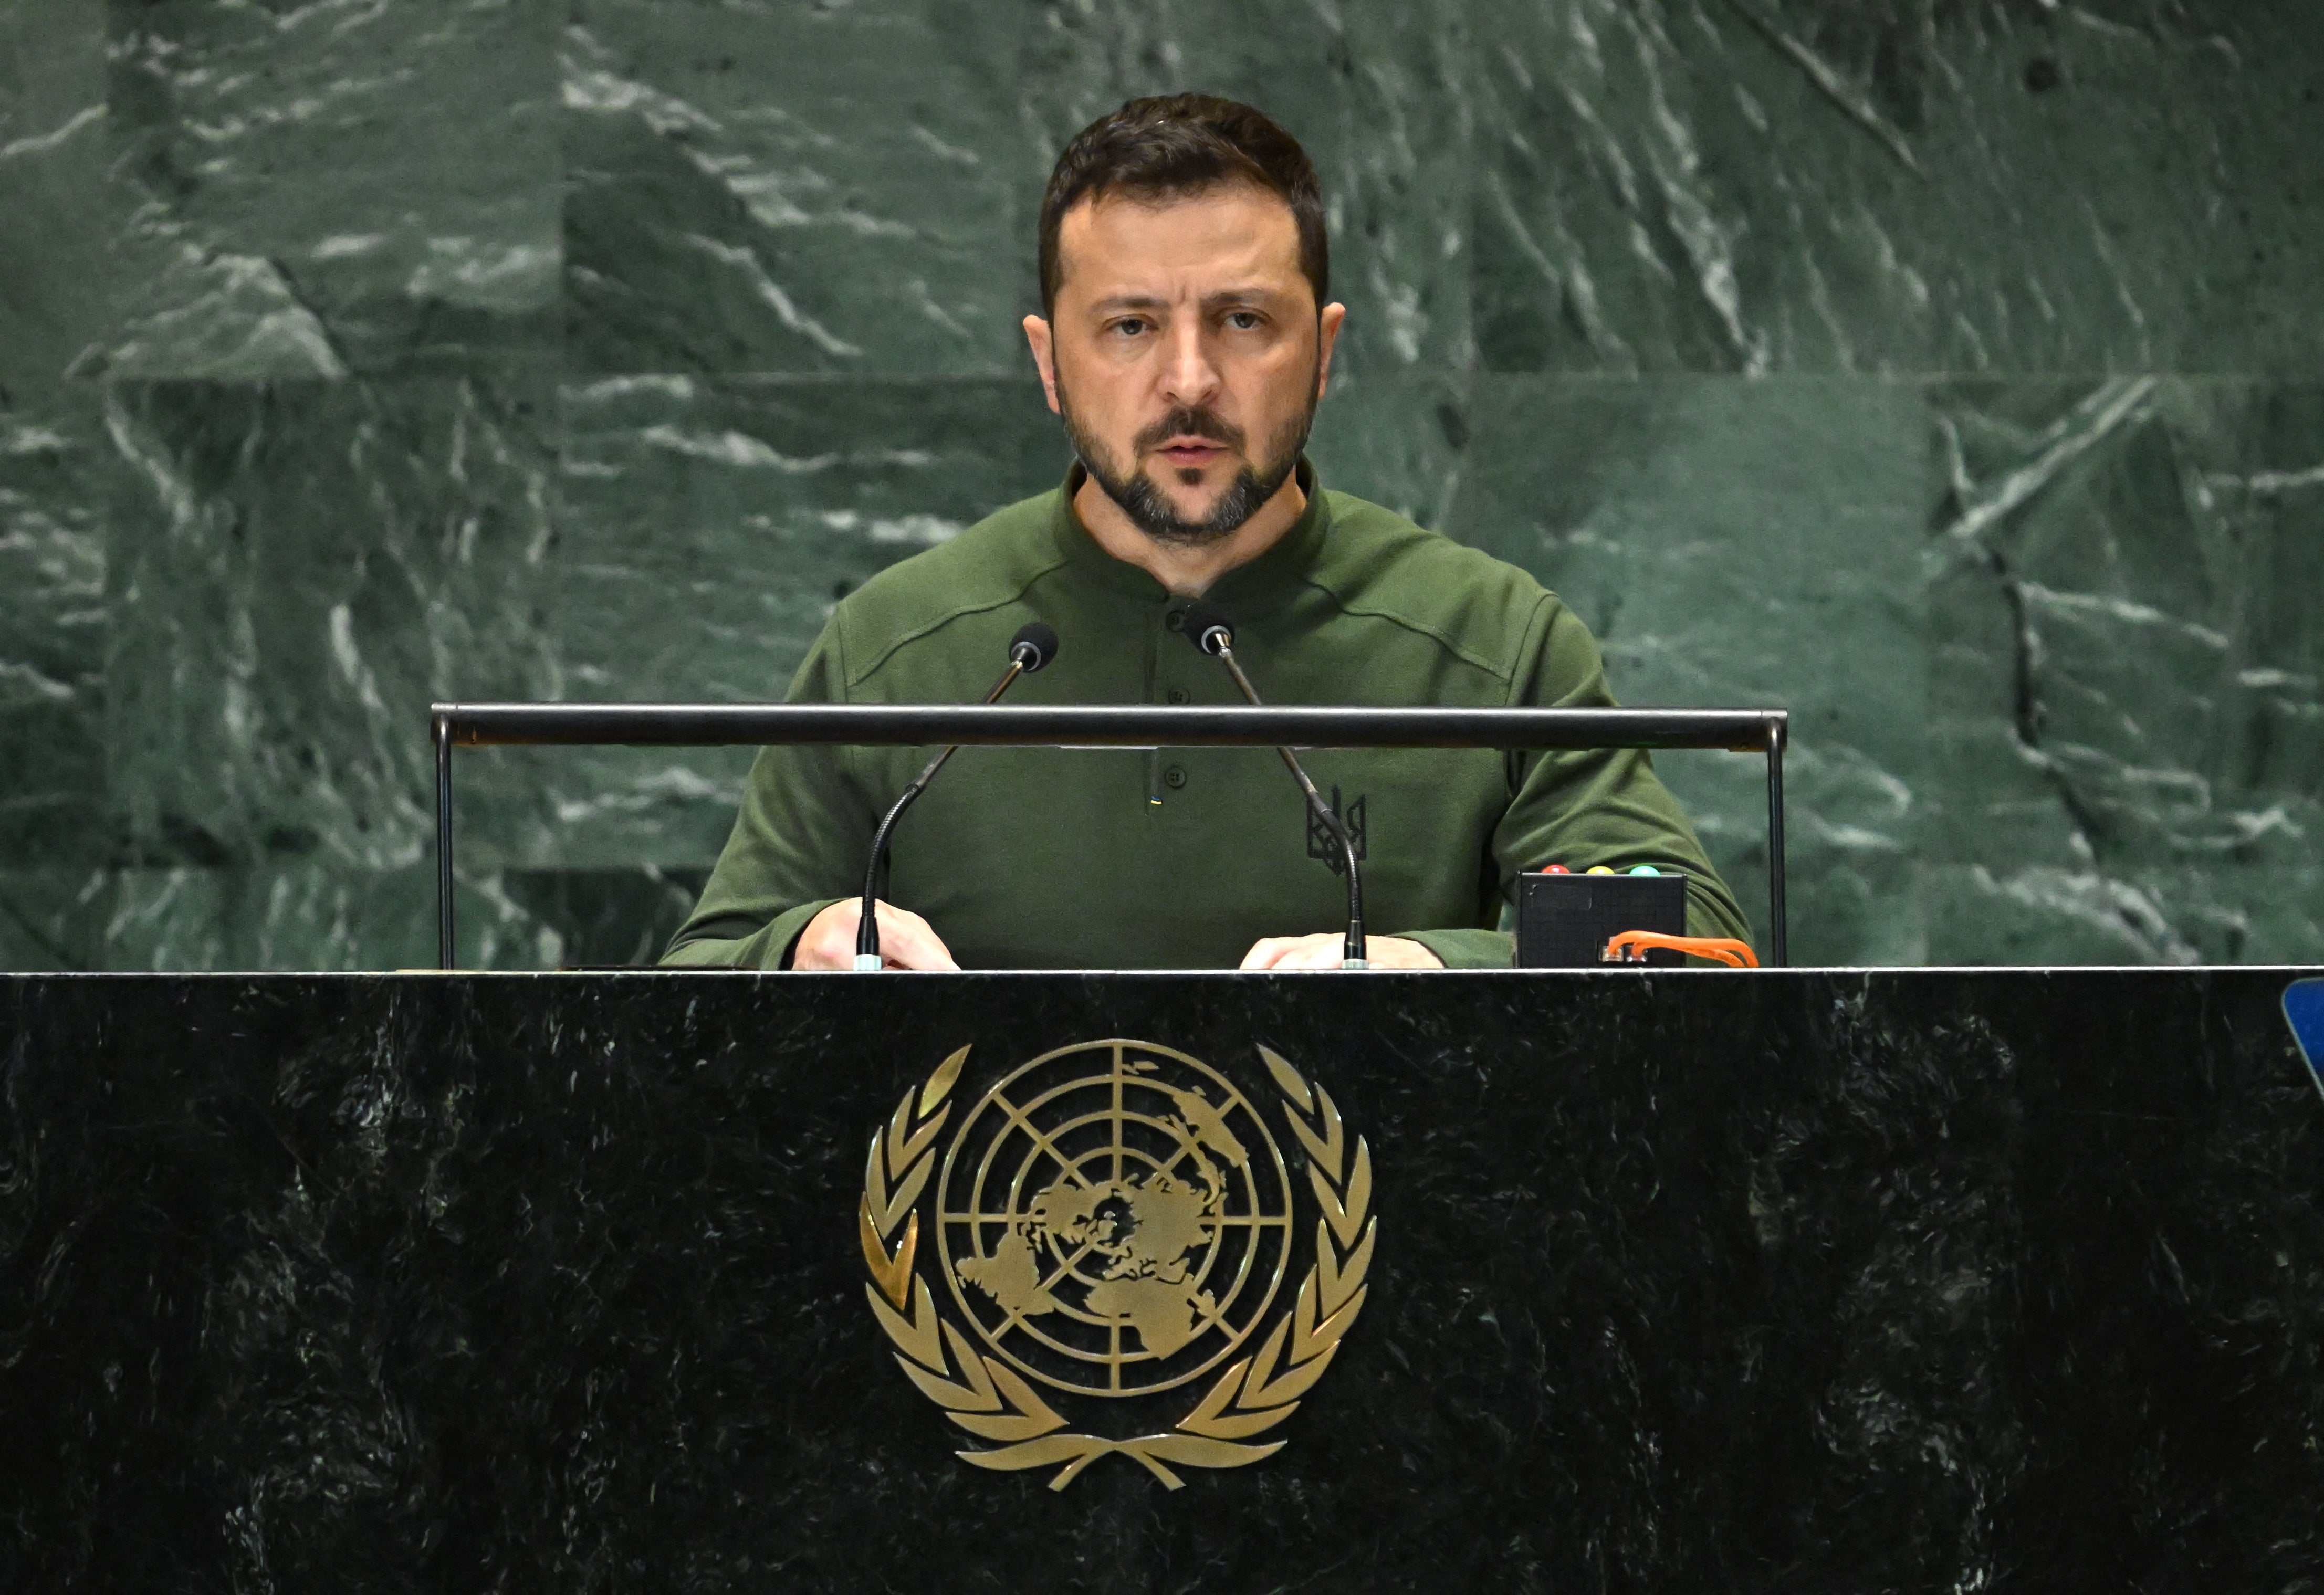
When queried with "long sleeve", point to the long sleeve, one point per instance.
{"points": [[799, 843], [1584, 806]]}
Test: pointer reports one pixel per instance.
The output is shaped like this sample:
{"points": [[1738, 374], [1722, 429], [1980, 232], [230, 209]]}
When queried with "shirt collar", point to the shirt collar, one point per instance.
{"points": [[1264, 583]]}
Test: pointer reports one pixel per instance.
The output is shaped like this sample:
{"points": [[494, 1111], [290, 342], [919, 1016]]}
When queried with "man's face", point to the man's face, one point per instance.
{"points": [[1185, 355]]}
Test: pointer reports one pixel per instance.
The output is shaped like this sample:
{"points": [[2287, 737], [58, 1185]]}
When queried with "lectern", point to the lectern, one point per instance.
{"points": [[1632, 1280]]}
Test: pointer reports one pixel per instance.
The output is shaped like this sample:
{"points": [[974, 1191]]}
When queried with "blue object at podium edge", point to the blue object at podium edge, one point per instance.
{"points": [[2303, 1005]]}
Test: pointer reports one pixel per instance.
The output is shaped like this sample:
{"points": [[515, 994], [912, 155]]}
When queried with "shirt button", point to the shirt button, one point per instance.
{"points": [[1177, 694], [1175, 619], [1175, 776]]}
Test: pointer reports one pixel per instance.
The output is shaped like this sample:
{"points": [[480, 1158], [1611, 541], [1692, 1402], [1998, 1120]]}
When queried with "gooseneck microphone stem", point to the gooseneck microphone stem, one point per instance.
{"points": [[1033, 648], [867, 929], [1216, 639]]}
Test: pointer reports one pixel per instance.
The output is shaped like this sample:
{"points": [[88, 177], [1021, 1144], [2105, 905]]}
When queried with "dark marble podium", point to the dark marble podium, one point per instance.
{"points": [[1685, 1280]]}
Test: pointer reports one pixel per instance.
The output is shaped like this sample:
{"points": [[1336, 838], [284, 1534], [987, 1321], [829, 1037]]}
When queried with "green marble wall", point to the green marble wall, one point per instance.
{"points": [[1951, 371]]}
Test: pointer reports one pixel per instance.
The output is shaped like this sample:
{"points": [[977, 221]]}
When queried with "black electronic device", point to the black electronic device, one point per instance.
{"points": [[1564, 920]]}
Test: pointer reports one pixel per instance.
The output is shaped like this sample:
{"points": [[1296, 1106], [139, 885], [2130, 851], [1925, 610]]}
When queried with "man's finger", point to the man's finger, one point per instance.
{"points": [[1265, 951], [1314, 952], [907, 941], [1294, 952], [828, 943], [1396, 952]]}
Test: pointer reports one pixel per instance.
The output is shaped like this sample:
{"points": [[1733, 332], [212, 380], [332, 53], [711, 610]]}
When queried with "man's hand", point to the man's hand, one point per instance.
{"points": [[906, 941], [1325, 951]]}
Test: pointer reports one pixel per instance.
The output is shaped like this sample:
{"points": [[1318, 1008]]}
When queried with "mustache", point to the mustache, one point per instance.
{"points": [[1190, 423]]}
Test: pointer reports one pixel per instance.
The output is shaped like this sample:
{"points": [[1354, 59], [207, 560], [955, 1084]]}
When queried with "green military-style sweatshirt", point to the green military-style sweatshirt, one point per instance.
{"points": [[1181, 858]]}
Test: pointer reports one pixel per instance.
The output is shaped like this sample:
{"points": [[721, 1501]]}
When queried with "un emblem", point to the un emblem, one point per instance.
{"points": [[1115, 1221]]}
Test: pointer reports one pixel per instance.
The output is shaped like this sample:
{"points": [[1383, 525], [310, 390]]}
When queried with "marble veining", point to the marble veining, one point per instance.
{"points": [[1945, 372]]}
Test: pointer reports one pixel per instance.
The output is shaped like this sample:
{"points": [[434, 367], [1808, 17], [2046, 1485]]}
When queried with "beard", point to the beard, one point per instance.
{"points": [[1141, 498]]}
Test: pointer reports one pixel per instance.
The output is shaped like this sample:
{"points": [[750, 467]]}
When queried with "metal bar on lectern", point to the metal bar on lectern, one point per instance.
{"points": [[704, 725], [1778, 931], [1092, 725], [442, 732]]}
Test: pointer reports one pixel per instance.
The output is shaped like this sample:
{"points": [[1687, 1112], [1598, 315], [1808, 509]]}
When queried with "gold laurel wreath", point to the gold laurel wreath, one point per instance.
{"points": [[991, 1401]]}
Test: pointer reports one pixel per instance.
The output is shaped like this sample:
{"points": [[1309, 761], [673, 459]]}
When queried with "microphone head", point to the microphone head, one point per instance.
{"points": [[1035, 646], [1207, 627]]}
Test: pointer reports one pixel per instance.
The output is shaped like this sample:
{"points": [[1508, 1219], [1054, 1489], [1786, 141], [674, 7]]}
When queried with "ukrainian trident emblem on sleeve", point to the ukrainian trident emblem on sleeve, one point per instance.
{"points": [[1113, 1227]]}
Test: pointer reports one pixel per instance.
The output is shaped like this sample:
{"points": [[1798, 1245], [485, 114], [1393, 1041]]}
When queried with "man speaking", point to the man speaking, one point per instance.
{"points": [[1185, 342]]}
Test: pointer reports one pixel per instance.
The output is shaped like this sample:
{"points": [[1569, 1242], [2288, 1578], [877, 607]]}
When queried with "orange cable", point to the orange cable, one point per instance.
{"points": [[1734, 953]]}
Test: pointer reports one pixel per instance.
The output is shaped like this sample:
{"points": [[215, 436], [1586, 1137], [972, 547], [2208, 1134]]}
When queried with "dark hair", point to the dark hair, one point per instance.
{"points": [[1183, 144]]}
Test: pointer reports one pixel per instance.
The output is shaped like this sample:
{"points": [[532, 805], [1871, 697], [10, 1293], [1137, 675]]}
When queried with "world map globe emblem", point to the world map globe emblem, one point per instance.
{"points": [[1114, 1218]]}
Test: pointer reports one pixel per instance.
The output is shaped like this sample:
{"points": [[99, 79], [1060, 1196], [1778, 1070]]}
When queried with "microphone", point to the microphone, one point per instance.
{"points": [[1034, 647], [1208, 629]]}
